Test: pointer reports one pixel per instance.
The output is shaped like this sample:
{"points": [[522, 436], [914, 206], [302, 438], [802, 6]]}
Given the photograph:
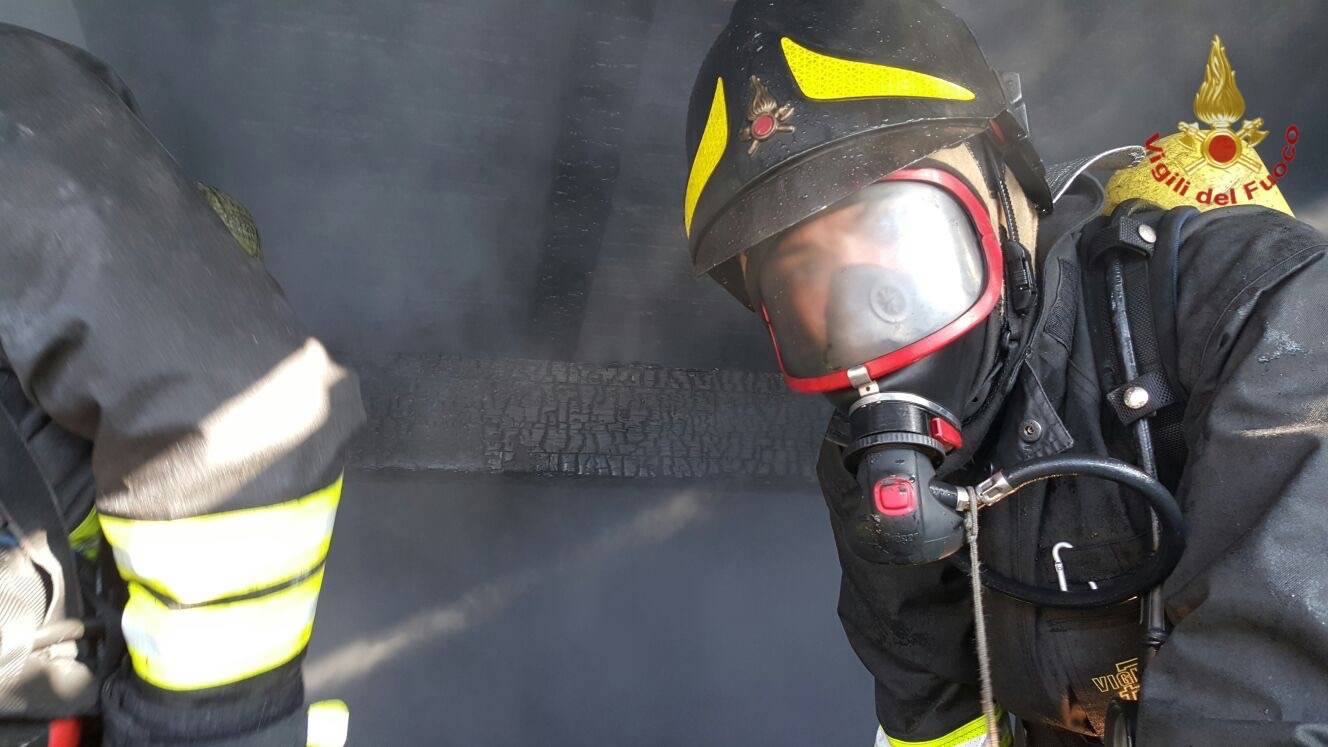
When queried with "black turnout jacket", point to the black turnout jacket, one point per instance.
{"points": [[130, 320], [1247, 658]]}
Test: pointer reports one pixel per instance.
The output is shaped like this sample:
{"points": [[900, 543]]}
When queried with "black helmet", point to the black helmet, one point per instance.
{"points": [[802, 103]]}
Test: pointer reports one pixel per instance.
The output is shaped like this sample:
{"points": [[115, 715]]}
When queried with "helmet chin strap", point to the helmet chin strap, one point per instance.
{"points": [[996, 184]]}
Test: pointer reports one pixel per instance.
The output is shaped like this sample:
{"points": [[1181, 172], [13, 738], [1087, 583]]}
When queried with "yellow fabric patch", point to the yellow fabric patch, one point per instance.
{"points": [[237, 218], [714, 140], [825, 78], [205, 558]]}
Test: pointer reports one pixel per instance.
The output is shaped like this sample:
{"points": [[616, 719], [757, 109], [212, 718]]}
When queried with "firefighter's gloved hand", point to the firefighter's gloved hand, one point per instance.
{"points": [[264, 713]]}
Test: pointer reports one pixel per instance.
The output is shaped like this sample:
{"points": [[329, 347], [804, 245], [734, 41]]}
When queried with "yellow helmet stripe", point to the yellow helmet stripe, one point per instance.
{"points": [[826, 78], [193, 648], [202, 558], [714, 139]]}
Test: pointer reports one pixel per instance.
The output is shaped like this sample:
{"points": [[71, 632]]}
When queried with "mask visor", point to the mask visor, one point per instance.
{"points": [[878, 281]]}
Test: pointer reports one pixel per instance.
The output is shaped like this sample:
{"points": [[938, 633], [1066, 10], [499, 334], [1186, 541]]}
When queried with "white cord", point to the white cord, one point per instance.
{"points": [[980, 628]]}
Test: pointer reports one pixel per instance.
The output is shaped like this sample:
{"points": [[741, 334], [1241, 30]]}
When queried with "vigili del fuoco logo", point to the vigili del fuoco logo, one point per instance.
{"points": [[1214, 166]]}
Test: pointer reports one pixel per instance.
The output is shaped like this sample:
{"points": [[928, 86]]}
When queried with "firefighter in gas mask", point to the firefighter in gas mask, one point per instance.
{"points": [[170, 440], [1110, 398]]}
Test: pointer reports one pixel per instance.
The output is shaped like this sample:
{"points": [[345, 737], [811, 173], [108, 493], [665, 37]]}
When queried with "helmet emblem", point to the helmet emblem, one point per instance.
{"points": [[765, 117], [1219, 103]]}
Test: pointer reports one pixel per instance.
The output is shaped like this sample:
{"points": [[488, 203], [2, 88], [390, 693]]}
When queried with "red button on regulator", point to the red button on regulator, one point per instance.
{"points": [[895, 496], [947, 434]]}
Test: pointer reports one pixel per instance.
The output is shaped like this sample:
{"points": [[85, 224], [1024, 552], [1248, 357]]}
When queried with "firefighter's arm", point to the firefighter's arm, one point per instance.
{"points": [[1247, 661], [133, 320]]}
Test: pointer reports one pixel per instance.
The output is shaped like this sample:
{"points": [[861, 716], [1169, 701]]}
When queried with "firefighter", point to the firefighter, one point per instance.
{"points": [[157, 391], [989, 336]]}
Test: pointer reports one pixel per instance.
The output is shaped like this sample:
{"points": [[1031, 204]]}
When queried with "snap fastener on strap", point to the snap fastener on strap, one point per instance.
{"points": [[1142, 397]]}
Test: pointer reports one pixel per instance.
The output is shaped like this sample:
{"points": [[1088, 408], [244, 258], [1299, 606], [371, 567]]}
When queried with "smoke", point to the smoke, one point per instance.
{"points": [[1316, 214], [363, 655], [51, 17], [397, 156], [504, 178]]}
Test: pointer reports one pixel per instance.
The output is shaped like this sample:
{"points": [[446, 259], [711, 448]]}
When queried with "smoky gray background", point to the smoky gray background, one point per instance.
{"points": [[504, 178]]}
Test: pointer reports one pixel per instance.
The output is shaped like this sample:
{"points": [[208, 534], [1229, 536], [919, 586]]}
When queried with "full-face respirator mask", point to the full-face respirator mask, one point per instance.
{"points": [[881, 302], [885, 303]]}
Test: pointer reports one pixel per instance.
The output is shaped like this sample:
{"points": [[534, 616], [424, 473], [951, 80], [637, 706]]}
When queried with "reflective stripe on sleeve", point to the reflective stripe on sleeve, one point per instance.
{"points": [[971, 734], [191, 648], [217, 556]]}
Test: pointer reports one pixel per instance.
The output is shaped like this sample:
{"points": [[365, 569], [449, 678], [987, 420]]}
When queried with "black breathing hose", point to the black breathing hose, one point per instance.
{"points": [[1138, 581]]}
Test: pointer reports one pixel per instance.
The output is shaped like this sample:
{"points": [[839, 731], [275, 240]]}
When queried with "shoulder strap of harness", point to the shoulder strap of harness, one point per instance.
{"points": [[1146, 239]]}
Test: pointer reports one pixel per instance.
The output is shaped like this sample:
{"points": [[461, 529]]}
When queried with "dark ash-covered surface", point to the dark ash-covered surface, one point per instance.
{"points": [[436, 412]]}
